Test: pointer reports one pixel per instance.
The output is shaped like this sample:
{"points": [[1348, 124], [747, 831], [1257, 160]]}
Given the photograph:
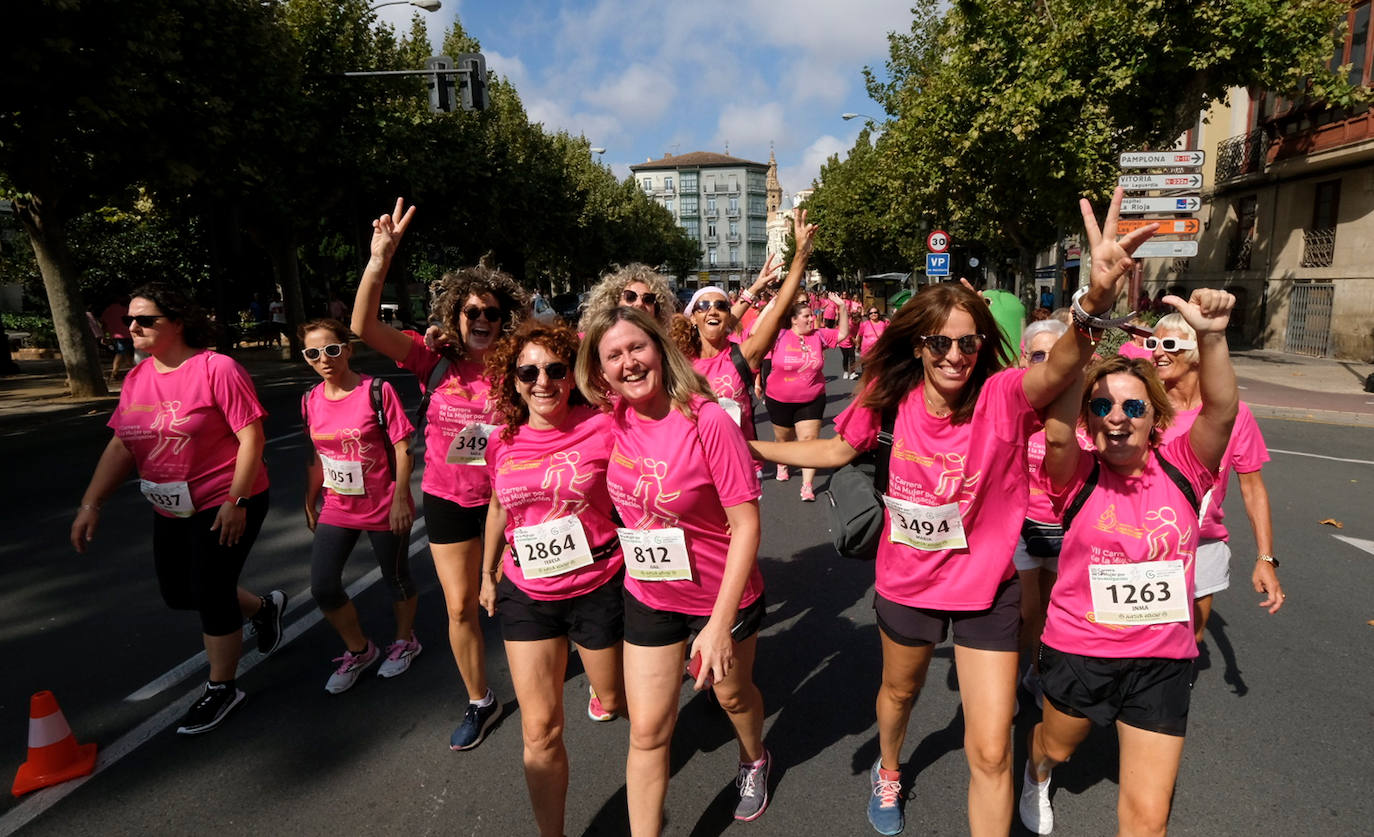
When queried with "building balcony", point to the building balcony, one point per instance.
{"points": [[732, 237], [1318, 247], [733, 213], [713, 213], [1242, 155], [1238, 253]]}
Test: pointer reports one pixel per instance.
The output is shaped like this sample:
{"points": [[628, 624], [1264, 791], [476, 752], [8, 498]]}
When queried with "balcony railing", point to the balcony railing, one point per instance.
{"points": [[1238, 253], [733, 212], [1242, 155], [1318, 247]]}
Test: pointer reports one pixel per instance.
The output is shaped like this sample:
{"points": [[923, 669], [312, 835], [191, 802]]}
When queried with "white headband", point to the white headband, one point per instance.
{"points": [[692, 305]]}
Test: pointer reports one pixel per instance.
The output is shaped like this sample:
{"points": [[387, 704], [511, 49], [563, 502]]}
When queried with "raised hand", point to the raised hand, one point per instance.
{"points": [[804, 233], [1208, 311], [388, 230], [770, 273], [1111, 257]]}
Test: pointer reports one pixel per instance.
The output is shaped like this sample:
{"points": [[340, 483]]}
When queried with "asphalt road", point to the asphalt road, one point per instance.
{"points": [[1279, 734]]}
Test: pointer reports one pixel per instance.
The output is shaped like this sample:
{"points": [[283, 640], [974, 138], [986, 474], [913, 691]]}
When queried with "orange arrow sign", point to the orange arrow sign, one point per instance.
{"points": [[1167, 226]]}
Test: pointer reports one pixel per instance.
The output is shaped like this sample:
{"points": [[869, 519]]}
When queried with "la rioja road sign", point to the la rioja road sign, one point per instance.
{"points": [[1136, 206], [1160, 181], [937, 264], [1157, 159]]}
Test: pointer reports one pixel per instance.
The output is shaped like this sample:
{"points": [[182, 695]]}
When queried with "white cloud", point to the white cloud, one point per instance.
{"points": [[824, 83], [637, 92], [508, 66], [749, 126], [797, 177]]}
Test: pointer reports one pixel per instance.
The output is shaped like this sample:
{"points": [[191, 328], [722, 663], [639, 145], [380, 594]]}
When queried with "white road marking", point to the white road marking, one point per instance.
{"points": [[39, 801], [1358, 543], [1320, 456]]}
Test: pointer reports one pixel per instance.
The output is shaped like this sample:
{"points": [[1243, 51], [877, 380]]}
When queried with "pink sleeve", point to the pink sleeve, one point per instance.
{"points": [[830, 337], [1012, 414], [397, 422], [1181, 455], [232, 389], [1248, 451], [858, 425], [727, 456]]}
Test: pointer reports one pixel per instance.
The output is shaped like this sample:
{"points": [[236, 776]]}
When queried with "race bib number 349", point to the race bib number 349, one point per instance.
{"points": [[470, 446], [1148, 593], [655, 554], [552, 548], [929, 528]]}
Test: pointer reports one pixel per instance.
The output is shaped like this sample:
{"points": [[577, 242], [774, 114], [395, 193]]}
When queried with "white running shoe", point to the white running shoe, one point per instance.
{"points": [[1036, 812], [399, 654], [351, 667]]}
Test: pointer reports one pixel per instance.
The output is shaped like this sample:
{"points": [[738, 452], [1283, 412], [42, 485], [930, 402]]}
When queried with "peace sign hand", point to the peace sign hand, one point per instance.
{"points": [[388, 230], [1111, 257], [803, 232]]}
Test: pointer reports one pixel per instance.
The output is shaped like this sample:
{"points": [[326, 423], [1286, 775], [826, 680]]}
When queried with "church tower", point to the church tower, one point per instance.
{"points": [[774, 187]]}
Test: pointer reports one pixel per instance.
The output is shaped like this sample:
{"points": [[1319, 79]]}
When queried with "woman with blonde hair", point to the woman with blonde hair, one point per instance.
{"points": [[635, 286]]}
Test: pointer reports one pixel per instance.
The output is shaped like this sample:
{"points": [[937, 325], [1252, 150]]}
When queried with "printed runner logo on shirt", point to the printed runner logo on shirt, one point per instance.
{"points": [[562, 480], [169, 439]]}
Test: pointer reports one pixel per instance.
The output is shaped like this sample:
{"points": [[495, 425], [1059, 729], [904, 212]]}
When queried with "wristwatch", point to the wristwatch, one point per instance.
{"points": [[239, 502], [1268, 559]]}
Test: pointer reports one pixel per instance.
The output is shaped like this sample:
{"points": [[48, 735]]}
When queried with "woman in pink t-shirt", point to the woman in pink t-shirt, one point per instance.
{"points": [[707, 337], [682, 480], [363, 468], [474, 306], [795, 388], [955, 501], [868, 333], [190, 422], [635, 286], [552, 566], [1118, 641], [1174, 353]]}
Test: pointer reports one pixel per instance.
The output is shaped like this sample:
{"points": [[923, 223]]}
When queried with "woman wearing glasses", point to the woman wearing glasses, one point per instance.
{"points": [[868, 333], [189, 420], [634, 286], [1174, 352], [551, 534], [361, 440], [707, 338], [795, 388], [1118, 643], [956, 499], [474, 306]]}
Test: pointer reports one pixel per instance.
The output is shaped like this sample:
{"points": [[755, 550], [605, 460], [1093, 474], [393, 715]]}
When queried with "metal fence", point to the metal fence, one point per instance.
{"points": [[1309, 319], [1241, 155], [1318, 247]]}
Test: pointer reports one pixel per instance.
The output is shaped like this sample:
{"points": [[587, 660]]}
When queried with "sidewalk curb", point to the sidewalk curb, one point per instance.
{"points": [[1317, 416]]}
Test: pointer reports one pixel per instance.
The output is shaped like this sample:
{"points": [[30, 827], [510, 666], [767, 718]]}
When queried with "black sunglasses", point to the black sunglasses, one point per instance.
{"points": [[707, 304], [529, 373], [969, 344], [329, 350], [144, 320], [1132, 407], [490, 313], [628, 296]]}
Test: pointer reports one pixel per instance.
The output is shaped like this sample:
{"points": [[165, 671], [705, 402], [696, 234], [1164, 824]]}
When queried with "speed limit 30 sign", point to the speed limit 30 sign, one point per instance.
{"points": [[937, 241]]}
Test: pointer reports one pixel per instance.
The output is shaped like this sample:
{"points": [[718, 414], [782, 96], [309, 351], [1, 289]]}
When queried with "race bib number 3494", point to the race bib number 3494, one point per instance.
{"points": [[1148, 593], [925, 527], [470, 446], [655, 554]]}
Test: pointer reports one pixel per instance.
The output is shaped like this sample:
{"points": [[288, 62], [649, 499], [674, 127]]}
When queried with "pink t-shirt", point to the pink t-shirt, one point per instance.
{"points": [[1130, 349], [829, 310], [1245, 454], [459, 402], [721, 374], [676, 472], [180, 425], [869, 332], [797, 376], [979, 465], [1126, 520], [1041, 508], [346, 431], [544, 475]]}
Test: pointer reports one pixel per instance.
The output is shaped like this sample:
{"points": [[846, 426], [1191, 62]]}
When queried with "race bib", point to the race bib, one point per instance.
{"points": [[925, 527], [1149, 593], [470, 446], [732, 409], [343, 476], [553, 548], [655, 554], [171, 497]]}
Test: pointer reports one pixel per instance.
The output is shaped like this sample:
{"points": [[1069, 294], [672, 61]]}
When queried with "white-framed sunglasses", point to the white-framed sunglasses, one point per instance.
{"points": [[1170, 344]]}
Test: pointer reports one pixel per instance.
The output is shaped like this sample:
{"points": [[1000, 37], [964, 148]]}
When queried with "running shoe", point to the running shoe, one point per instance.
{"points": [[477, 720], [782, 475], [351, 667], [884, 803], [595, 710], [1036, 812], [399, 654], [753, 788], [808, 494], [267, 621], [211, 709]]}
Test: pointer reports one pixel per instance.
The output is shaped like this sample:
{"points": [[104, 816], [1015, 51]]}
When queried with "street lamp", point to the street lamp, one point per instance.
{"points": [[427, 5], [596, 149], [848, 116]]}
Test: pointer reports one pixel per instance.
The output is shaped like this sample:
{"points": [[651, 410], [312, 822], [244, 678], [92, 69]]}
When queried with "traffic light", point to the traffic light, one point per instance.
{"points": [[474, 82], [442, 98]]}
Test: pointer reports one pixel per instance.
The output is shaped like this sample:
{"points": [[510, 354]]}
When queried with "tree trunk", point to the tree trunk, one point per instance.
{"points": [[287, 269], [48, 235], [7, 364]]}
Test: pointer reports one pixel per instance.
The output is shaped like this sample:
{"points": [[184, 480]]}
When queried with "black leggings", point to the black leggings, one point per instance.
{"points": [[847, 355], [330, 552], [195, 572]]}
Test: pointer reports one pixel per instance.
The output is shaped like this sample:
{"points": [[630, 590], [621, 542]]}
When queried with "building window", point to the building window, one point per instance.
{"points": [[689, 182], [711, 256], [648, 184], [668, 183], [756, 181], [693, 229], [734, 203], [757, 205], [689, 205], [758, 229], [711, 205], [710, 230], [1328, 198], [1319, 241], [734, 229], [668, 204], [1238, 252], [734, 257]]}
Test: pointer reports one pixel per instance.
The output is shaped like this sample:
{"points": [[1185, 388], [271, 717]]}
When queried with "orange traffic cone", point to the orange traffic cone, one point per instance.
{"points": [[54, 755]]}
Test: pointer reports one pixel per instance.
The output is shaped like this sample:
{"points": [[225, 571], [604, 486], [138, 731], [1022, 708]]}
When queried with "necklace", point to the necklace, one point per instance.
{"points": [[938, 410]]}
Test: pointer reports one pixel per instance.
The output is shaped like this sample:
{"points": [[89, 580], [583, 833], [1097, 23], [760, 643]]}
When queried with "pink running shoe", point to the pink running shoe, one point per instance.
{"points": [[783, 476], [596, 711], [808, 494]]}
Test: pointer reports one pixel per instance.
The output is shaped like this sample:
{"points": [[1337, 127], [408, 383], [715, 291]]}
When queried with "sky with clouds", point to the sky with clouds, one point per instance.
{"points": [[642, 77]]}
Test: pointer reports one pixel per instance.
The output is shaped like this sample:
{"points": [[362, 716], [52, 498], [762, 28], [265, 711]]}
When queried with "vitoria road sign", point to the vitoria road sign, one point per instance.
{"points": [[1150, 159], [1167, 226], [1133, 206], [1166, 249], [937, 241], [1160, 181], [937, 264]]}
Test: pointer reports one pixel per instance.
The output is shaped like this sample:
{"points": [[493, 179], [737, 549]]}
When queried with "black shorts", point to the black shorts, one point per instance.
{"points": [[1150, 693], [448, 522], [650, 628], [995, 629], [594, 620], [787, 414]]}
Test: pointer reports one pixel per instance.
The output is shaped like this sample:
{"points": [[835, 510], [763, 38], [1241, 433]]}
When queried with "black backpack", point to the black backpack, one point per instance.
{"points": [[374, 394]]}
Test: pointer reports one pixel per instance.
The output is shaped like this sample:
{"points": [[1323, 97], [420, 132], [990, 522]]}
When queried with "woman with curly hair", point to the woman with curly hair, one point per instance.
{"points": [[475, 305], [635, 286], [682, 480], [551, 533], [955, 501], [707, 334]]}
